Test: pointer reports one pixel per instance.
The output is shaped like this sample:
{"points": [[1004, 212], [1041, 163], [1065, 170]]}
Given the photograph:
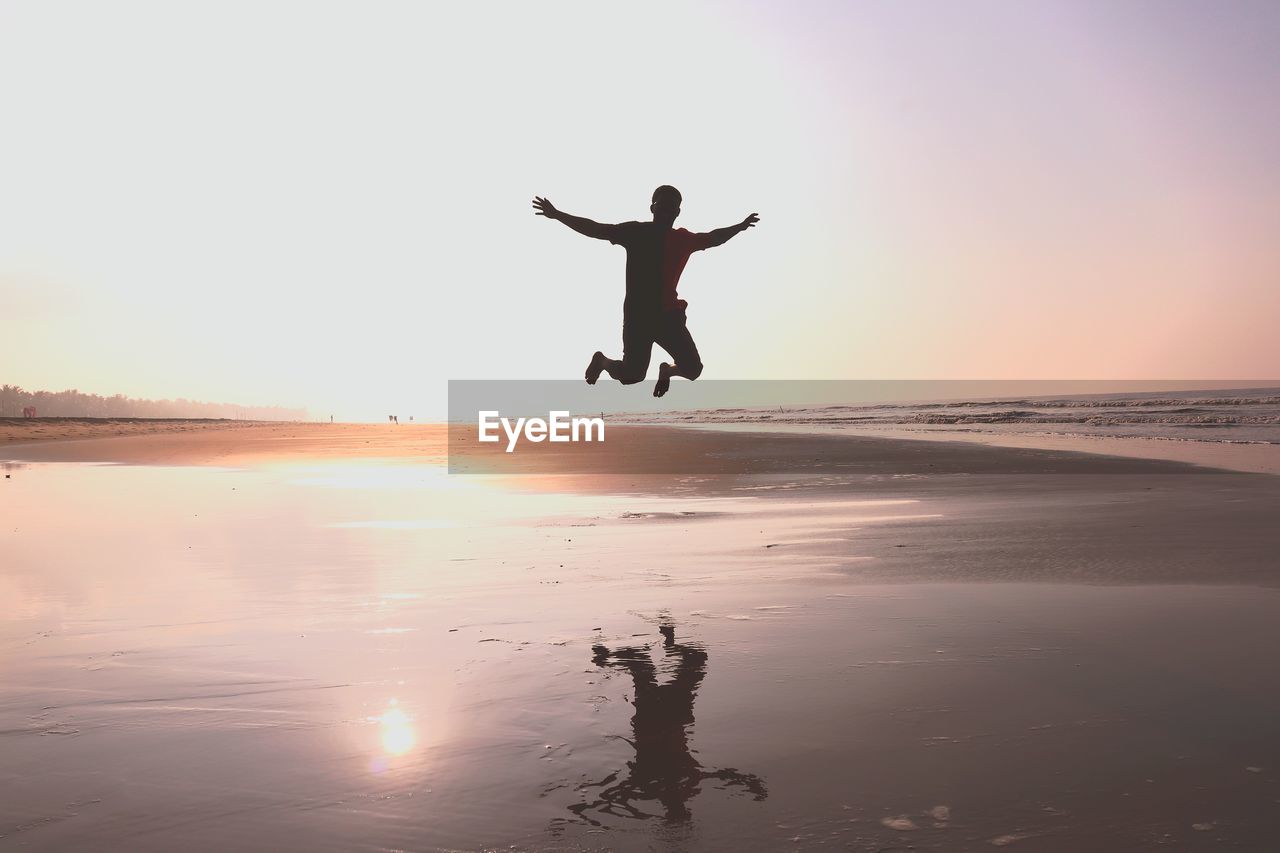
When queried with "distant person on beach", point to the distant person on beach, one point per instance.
{"points": [[652, 313]]}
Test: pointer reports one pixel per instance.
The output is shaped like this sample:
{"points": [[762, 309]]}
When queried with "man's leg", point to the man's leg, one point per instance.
{"points": [[596, 366], [637, 350], [677, 341]]}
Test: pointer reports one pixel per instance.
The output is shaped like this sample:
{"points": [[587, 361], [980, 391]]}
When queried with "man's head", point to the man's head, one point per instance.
{"points": [[666, 204]]}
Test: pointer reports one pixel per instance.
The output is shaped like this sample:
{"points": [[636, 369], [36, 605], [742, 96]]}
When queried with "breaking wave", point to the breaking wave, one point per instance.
{"points": [[1194, 416]]}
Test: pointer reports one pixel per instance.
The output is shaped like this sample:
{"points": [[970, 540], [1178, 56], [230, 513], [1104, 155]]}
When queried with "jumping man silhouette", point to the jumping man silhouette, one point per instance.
{"points": [[652, 313]]}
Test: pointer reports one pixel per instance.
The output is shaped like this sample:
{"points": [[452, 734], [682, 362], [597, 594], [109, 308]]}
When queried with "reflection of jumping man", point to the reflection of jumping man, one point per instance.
{"points": [[652, 313], [664, 769]]}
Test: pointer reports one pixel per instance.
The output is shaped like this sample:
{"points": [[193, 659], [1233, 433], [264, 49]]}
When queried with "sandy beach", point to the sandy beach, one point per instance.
{"points": [[315, 637]]}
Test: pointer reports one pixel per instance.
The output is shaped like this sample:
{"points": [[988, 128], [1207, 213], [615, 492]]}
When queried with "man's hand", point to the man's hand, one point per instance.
{"points": [[581, 224], [720, 236], [542, 207]]}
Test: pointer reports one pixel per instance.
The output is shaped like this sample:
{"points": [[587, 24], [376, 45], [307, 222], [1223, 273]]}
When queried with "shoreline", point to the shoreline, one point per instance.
{"points": [[199, 441], [656, 449]]}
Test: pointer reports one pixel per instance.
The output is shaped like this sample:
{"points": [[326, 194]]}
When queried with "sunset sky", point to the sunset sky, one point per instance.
{"points": [[327, 205]]}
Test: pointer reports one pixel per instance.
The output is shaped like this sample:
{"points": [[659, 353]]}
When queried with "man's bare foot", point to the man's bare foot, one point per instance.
{"points": [[664, 379], [596, 367]]}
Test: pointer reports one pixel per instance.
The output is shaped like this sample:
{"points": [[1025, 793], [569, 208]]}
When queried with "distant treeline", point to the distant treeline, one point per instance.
{"points": [[77, 404]]}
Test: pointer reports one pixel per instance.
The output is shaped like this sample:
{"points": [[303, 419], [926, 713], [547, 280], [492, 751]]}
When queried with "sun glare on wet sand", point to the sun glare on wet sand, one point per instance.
{"points": [[398, 735]]}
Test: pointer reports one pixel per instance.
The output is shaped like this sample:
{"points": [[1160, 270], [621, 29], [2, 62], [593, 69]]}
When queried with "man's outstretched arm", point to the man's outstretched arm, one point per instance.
{"points": [[582, 225], [720, 236]]}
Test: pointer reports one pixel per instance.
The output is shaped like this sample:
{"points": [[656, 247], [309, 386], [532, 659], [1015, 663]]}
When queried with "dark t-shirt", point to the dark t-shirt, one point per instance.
{"points": [[655, 258]]}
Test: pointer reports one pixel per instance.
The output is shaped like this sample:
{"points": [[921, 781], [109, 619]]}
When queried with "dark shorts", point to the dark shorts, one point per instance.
{"points": [[668, 330]]}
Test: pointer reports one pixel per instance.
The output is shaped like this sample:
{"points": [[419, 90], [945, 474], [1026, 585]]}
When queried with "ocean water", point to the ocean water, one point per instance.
{"points": [[1245, 415]]}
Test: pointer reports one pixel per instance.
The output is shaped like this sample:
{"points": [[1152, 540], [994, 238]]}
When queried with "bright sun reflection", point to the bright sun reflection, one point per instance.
{"points": [[397, 730]]}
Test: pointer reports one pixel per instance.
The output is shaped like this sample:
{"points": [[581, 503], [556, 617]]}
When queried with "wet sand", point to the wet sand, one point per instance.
{"points": [[1250, 457], [311, 637]]}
